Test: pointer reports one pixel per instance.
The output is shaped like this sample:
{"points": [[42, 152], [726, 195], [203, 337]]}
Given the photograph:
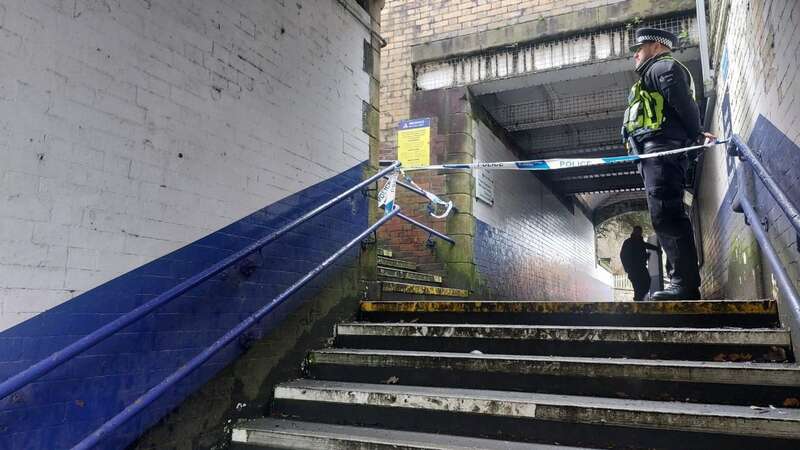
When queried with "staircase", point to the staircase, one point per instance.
{"points": [[425, 368]]}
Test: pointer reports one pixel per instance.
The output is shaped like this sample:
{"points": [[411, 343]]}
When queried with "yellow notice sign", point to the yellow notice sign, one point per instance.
{"points": [[414, 142]]}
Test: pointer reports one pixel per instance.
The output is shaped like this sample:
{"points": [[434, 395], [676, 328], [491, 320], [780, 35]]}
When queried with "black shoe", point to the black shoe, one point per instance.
{"points": [[677, 293]]}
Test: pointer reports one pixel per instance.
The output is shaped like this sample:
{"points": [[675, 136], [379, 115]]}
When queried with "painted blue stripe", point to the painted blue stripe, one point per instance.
{"points": [[533, 165], [619, 159], [62, 407]]}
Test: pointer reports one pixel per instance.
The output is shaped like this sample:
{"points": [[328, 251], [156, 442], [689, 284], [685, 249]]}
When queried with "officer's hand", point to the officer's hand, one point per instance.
{"points": [[706, 138]]}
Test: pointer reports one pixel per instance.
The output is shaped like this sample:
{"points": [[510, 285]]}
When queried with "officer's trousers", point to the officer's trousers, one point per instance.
{"points": [[664, 179]]}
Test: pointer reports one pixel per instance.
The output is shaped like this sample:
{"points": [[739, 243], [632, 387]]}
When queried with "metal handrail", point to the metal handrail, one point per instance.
{"points": [[59, 357], [420, 192], [781, 276], [737, 147], [158, 390], [790, 311], [428, 229]]}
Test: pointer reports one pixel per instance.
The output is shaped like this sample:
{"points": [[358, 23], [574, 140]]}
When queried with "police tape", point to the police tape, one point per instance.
{"points": [[435, 201], [386, 196], [387, 193], [563, 163]]}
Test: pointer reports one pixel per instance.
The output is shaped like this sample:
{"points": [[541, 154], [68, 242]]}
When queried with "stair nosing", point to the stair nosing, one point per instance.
{"points": [[681, 307], [379, 436], [398, 262], [424, 274], [722, 419], [672, 335], [761, 374], [402, 288]]}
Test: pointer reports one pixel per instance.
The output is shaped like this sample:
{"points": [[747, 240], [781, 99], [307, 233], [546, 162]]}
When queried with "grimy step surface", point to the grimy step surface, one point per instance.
{"points": [[414, 289], [407, 275], [652, 335], [396, 263], [279, 433], [704, 313], [695, 381], [764, 374], [731, 426], [756, 344]]}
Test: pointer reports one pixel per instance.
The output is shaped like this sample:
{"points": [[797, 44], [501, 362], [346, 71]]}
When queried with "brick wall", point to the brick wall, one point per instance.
{"points": [[409, 22], [131, 128], [528, 245], [450, 111], [764, 110]]}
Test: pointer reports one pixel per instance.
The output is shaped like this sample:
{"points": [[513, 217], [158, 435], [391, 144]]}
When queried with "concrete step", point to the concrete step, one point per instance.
{"points": [[407, 275], [291, 434], [707, 344], [385, 252], [691, 381], [393, 290], [699, 313], [544, 418], [396, 263]]}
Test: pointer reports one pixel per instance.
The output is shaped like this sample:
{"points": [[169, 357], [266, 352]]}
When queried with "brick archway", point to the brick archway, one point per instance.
{"points": [[610, 210]]}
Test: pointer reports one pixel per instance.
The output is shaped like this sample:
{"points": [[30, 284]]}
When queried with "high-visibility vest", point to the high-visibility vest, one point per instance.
{"points": [[645, 112]]}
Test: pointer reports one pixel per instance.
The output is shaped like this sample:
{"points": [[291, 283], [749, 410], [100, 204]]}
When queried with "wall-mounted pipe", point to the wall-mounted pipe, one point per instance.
{"points": [[702, 32]]}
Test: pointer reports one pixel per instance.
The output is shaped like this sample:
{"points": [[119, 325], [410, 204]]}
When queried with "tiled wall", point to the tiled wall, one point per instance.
{"points": [[528, 244]]}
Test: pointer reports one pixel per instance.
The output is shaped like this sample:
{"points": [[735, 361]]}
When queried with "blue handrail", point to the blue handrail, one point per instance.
{"points": [[781, 277], [428, 229], [740, 149], [158, 390], [49, 363], [790, 312]]}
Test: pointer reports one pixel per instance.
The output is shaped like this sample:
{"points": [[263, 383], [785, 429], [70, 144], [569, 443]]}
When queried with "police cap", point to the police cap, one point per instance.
{"points": [[644, 35]]}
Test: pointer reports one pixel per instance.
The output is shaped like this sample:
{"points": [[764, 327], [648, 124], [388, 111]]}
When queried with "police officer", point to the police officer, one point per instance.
{"points": [[662, 115]]}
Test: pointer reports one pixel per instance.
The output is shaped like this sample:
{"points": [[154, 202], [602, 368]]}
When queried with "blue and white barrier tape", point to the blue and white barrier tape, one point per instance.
{"points": [[386, 196], [434, 200], [562, 163], [387, 193]]}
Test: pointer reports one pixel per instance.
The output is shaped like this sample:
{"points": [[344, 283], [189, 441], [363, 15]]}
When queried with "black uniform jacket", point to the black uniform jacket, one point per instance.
{"points": [[682, 116]]}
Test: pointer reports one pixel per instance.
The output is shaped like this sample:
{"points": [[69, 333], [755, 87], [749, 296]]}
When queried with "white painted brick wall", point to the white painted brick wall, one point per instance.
{"points": [[763, 78], [98, 99], [527, 209], [763, 46]]}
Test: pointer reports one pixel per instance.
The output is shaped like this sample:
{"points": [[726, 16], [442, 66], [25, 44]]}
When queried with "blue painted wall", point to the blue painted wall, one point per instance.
{"points": [[781, 156], [726, 272], [70, 402]]}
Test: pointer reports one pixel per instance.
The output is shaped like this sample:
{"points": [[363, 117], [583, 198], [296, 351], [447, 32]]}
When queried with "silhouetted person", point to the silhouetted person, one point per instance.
{"points": [[634, 260]]}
